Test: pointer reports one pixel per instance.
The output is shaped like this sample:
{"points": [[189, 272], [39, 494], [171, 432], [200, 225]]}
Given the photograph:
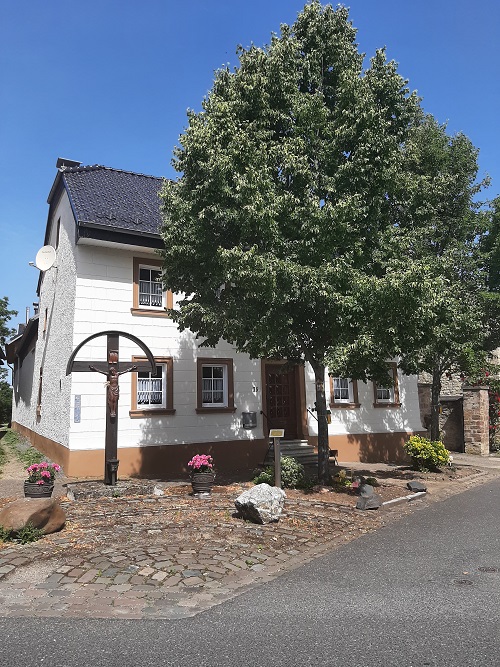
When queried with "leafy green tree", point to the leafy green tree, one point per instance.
{"points": [[441, 231], [5, 333], [277, 227]]}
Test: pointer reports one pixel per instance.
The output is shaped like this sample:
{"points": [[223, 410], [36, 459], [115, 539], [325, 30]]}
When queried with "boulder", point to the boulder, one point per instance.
{"points": [[261, 504], [368, 500], [416, 486], [43, 513], [366, 490]]}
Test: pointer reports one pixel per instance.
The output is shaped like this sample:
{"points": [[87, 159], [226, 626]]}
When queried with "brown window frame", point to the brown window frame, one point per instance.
{"points": [[346, 405], [144, 311], [139, 412], [214, 361], [377, 403]]}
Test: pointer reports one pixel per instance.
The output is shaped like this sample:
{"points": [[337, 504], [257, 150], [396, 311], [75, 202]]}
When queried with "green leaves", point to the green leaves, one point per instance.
{"points": [[286, 179]]}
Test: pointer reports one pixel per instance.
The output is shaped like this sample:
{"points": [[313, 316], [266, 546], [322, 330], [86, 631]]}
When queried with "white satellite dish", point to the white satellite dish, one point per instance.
{"points": [[45, 258]]}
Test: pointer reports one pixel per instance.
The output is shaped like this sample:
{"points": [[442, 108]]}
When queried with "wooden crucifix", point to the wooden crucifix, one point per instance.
{"points": [[112, 368]]}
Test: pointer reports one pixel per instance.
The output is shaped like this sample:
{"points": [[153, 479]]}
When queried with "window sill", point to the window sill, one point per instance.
{"points": [[207, 411], [145, 312], [141, 414], [345, 406], [387, 405]]}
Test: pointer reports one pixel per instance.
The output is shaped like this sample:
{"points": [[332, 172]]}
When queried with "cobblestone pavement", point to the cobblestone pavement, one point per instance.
{"points": [[172, 556]]}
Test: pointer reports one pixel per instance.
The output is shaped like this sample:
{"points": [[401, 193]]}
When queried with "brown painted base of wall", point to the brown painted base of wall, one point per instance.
{"points": [[368, 447], [167, 462]]}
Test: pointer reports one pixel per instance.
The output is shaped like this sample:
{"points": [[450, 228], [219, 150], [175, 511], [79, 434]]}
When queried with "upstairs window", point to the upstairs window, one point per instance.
{"points": [[150, 289], [149, 297]]}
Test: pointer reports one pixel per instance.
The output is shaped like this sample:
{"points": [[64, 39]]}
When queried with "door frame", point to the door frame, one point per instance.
{"points": [[300, 398]]}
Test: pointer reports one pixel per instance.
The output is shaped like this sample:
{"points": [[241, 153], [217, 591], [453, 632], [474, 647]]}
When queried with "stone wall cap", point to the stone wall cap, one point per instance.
{"points": [[468, 387]]}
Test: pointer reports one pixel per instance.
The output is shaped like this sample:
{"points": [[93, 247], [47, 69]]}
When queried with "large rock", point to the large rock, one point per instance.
{"points": [[416, 486], [43, 513], [369, 500], [261, 504]]}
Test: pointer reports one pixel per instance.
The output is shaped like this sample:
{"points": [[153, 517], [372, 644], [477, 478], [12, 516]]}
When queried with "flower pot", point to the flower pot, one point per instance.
{"points": [[202, 482], [34, 490]]}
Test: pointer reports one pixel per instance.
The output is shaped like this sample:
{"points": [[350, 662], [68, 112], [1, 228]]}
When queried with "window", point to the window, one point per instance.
{"points": [[387, 397], [343, 393], [215, 385], [152, 393], [149, 297]]}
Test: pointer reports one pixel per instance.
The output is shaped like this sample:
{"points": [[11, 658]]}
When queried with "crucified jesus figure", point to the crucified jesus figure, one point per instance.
{"points": [[112, 385]]}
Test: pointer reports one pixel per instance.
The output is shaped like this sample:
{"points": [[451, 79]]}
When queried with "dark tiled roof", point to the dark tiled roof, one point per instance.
{"points": [[114, 198]]}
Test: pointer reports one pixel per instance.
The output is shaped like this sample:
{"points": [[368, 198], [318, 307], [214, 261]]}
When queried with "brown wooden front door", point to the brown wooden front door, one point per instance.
{"points": [[281, 399]]}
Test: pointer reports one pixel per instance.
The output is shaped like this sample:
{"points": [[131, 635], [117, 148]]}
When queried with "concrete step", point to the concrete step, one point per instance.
{"points": [[298, 449]]}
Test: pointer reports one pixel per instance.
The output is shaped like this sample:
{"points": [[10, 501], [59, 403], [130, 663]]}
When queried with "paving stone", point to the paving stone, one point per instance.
{"points": [[88, 576], [193, 581]]}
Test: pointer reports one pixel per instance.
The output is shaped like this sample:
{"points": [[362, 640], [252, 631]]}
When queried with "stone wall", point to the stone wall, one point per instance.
{"points": [[463, 420], [476, 421], [451, 422]]}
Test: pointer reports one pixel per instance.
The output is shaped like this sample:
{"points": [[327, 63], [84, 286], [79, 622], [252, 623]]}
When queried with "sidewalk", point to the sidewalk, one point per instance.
{"points": [[173, 556]]}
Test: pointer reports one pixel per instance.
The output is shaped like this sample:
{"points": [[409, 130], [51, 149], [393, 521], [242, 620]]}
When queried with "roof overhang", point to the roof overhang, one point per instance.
{"points": [[19, 346], [92, 230]]}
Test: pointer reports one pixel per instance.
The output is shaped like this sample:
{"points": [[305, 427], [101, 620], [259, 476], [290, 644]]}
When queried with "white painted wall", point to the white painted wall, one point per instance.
{"points": [[104, 298], [366, 418], [53, 347]]}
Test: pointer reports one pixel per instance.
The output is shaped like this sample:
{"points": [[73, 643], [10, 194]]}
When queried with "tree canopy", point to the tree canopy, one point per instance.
{"points": [[277, 229], [443, 231]]}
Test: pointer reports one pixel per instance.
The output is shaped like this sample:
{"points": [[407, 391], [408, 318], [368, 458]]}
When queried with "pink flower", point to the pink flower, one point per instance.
{"points": [[45, 473]]}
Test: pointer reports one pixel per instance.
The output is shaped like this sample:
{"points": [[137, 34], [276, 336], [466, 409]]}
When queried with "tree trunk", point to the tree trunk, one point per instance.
{"points": [[435, 392], [323, 445]]}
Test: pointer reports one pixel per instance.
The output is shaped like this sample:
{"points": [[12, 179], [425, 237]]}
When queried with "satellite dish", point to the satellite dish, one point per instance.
{"points": [[45, 258]]}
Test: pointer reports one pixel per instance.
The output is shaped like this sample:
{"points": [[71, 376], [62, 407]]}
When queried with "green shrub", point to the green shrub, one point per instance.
{"points": [[341, 479], [5, 534], [372, 481], [292, 474], [28, 534], [426, 454]]}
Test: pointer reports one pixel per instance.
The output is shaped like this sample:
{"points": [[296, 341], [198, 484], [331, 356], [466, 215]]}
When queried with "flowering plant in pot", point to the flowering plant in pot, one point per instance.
{"points": [[202, 473], [40, 481]]}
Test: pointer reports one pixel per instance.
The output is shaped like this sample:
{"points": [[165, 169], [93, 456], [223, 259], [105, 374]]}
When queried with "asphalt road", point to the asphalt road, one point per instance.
{"points": [[423, 591]]}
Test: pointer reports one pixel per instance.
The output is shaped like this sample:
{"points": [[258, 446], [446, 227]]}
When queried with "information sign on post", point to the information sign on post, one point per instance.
{"points": [[276, 434]]}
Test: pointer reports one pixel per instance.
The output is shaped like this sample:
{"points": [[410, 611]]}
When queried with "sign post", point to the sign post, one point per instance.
{"points": [[276, 434]]}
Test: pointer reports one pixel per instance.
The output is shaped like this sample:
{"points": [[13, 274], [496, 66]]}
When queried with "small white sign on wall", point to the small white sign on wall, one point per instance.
{"points": [[78, 409]]}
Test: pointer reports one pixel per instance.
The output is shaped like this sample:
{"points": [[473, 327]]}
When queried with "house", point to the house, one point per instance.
{"points": [[104, 226]]}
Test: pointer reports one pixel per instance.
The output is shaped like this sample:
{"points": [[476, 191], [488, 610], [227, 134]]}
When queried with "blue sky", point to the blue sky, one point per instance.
{"points": [[109, 81]]}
